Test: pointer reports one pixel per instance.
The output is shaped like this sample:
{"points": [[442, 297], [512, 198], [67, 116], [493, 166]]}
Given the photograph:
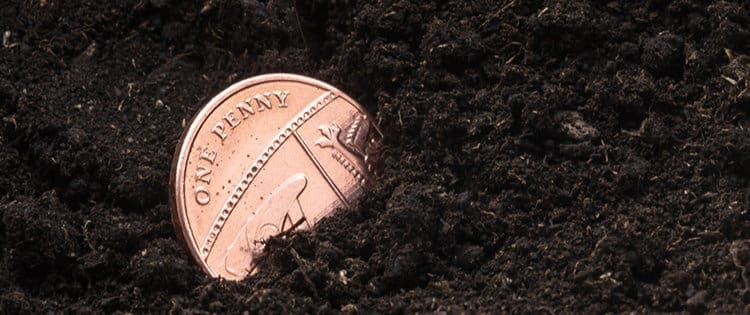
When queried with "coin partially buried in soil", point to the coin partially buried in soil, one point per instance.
{"points": [[268, 154]]}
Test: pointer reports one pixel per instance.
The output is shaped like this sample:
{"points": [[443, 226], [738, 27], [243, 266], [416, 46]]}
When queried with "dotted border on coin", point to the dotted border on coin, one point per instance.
{"points": [[228, 207], [348, 166]]}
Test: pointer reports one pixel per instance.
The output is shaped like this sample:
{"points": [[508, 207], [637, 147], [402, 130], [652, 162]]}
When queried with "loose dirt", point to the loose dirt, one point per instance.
{"points": [[541, 156]]}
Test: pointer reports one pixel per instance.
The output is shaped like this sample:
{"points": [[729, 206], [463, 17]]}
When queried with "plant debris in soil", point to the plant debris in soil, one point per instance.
{"points": [[541, 156]]}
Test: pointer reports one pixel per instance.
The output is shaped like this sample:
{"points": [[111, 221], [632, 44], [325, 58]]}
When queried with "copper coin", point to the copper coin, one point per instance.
{"points": [[268, 154]]}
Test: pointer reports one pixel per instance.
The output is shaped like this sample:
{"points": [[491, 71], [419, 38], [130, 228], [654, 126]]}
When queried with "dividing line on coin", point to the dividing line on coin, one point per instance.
{"points": [[320, 168], [250, 174]]}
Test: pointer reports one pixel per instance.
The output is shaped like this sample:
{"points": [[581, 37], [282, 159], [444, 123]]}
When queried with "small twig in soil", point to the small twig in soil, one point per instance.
{"points": [[498, 13], [6, 40], [730, 80], [291, 229], [86, 234], [729, 54], [208, 5], [302, 268], [299, 24]]}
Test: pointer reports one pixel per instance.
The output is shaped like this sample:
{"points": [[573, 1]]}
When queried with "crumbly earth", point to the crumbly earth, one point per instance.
{"points": [[541, 156]]}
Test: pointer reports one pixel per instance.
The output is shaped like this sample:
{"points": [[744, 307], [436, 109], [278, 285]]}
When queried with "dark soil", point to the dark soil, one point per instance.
{"points": [[541, 156]]}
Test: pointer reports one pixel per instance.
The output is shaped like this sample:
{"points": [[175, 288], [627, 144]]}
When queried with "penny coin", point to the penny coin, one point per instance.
{"points": [[269, 154]]}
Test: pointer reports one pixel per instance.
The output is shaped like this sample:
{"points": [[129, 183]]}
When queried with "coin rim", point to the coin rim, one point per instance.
{"points": [[178, 209]]}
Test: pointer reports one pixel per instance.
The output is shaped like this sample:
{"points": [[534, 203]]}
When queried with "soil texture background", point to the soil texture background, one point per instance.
{"points": [[541, 156]]}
